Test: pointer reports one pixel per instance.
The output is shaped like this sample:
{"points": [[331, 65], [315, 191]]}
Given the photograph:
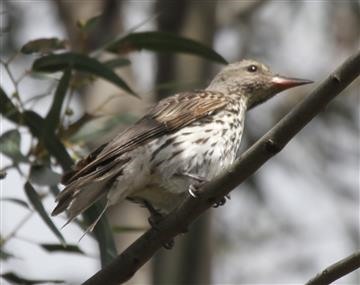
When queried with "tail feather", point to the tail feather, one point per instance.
{"points": [[86, 197], [84, 191], [93, 224]]}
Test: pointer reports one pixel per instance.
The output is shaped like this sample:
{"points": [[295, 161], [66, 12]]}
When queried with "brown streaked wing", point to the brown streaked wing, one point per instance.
{"points": [[169, 115]]}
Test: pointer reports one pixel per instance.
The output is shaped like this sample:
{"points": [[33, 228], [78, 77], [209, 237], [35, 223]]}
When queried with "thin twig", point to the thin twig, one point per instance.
{"points": [[7, 167], [22, 76], [35, 242], [104, 103], [42, 95], [22, 222], [67, 106], [337, 270], [13, 80], [128, 262], [11, 58]]}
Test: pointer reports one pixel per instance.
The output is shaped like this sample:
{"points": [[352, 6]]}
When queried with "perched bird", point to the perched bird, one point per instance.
{"points": [[183, 141]]}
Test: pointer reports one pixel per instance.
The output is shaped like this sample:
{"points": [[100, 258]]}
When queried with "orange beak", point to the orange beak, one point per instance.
{"points": [[283, 82]]}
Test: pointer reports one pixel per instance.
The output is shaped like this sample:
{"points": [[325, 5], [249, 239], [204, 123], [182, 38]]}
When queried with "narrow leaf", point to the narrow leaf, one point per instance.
{"points": [[102, 233], [53, 117], [16, 201], [54, 189], [8, 109], [80, 62], [16, 279], [163, 42], [3, 174], [43, 175], [38, 206], [44, 45], [88, 25], [5, 255], [70, 248], [53, 145], [10, 146], [77, 125], [117, 62], [100, 127]]}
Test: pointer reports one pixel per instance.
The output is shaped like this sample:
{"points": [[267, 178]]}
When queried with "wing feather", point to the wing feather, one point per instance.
{"points": [[86, 182], [167, 116]]}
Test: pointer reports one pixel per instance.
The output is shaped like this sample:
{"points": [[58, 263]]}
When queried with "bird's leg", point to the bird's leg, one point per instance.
{"points": [[200, 181], [155, 216], [196, 186], [154, 220]]}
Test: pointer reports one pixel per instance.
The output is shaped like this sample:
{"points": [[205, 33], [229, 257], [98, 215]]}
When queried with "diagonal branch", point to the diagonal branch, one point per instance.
{"points": [[128, 262], [337, 270]]}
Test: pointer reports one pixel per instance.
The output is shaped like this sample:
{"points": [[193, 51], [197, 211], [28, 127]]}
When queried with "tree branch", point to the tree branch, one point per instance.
{"points": [[337, 270], [128, 262]]}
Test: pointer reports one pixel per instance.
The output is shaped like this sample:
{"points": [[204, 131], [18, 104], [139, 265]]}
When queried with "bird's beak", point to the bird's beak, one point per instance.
{"points": [[283, 82]]}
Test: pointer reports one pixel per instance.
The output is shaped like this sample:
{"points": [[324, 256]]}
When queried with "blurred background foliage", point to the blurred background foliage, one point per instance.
{"points": [[71, 73]]}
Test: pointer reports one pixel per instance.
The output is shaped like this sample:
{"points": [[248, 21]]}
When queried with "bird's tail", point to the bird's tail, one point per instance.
{"points": [[81, 193], [76, 199]]}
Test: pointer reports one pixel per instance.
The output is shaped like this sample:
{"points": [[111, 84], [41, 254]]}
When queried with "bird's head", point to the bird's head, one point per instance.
{"points": [[254, 80]]}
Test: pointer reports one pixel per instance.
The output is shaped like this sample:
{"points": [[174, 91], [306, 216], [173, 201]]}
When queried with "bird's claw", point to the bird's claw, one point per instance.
{"points": [[154, 220], [222, 201], [193, 191], [169, 244]]}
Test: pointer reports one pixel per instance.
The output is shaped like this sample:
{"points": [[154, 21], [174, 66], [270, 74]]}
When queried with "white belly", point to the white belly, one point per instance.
{"points": [[155, 172]]}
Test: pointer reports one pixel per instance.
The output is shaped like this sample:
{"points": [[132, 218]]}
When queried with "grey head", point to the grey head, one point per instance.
{"points": [[253, 80]]}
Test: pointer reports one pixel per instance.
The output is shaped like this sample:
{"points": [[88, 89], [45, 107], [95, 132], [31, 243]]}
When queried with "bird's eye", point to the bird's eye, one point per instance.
{"points": [[252, 68]]}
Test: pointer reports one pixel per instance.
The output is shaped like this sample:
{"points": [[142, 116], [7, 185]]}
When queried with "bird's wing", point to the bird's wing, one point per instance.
{"points": [[169, 115], [86, 182]]}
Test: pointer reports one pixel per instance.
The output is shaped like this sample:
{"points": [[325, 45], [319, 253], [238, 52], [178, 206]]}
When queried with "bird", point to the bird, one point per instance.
{"points": [[182, 142]]}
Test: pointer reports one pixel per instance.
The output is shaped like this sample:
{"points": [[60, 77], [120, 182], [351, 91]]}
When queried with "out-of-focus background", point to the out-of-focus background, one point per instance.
{"points": [[296, 215]]}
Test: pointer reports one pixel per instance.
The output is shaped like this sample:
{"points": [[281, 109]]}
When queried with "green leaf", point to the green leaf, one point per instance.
{"points": [[16, 279], [70, 248], [8, 109], [3, 174], [53, 117], [53, 145], [54, 189], [77, 125], [117, 62], [38, 206], [86, 26], [103, 234], [100, 127], [10, 146], [80, 62], [163, 42], [36, 125], [43, 175], [44, 45], [16, 201], [5, 255]]}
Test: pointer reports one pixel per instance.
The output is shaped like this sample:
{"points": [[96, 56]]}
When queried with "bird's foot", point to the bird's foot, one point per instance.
{"points": [[154, 221], [222, 201], [193, 191], [194, 188], [169, 244]]}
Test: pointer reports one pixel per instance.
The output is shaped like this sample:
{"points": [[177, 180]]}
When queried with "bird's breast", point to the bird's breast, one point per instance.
{"points": [[205, 148]]}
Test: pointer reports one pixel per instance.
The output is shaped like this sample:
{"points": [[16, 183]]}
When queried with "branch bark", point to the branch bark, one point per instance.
{"points": [[337, 270], [128, 262]]}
